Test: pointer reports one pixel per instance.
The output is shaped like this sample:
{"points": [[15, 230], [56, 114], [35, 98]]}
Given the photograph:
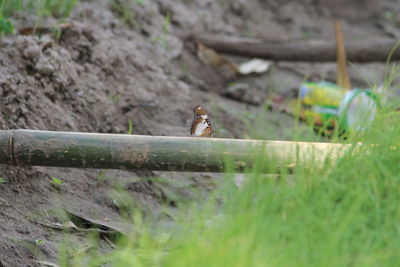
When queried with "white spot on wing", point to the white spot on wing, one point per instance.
{"points": [[200, 128]]}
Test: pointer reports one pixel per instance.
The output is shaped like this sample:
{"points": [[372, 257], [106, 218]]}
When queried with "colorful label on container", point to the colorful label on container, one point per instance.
{"points": [[321, 94]]}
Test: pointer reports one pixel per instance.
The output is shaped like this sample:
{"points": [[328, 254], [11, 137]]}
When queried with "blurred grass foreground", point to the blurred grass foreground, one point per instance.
{"points": [[347, 214]]}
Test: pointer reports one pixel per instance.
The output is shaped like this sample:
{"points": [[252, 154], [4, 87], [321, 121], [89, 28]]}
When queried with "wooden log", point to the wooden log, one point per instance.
{"points": [[301, 51], [159, 153]]}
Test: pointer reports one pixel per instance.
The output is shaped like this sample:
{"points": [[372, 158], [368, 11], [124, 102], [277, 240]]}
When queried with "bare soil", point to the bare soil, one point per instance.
{"points": [[103, 72]]}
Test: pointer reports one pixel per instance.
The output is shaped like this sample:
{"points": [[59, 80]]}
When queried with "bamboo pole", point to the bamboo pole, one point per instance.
{"points": [[159, 153]]}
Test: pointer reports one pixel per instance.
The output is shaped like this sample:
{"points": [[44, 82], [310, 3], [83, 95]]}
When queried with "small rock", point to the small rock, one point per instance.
{"points": [[44, 66], [31, 52]]}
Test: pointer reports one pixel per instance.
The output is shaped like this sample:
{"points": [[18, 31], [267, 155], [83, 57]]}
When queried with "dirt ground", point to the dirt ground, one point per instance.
{"points": [[104, 72]]}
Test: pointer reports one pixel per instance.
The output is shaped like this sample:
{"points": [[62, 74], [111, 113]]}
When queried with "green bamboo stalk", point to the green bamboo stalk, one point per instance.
{"points": [[158, 153]]}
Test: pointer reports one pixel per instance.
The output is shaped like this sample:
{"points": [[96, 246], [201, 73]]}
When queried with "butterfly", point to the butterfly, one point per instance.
{"points": [[201, 125]]}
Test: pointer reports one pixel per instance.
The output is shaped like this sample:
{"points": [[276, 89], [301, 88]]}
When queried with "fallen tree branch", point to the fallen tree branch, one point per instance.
{"points": [[303, 51]]}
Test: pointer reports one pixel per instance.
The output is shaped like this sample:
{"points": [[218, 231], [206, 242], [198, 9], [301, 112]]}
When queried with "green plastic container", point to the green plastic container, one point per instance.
{"points": [[329, 105], [358, 108]]}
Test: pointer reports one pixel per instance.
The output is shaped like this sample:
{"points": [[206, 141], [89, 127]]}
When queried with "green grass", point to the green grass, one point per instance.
{"points": [[122, 7], [9, 9], [43, 8], [162, 38], [343, 215], [130, 127]]}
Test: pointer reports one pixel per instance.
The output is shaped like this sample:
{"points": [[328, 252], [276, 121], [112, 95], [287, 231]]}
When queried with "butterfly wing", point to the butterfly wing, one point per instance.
{"points": [[201, 127], [207, 132]]}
